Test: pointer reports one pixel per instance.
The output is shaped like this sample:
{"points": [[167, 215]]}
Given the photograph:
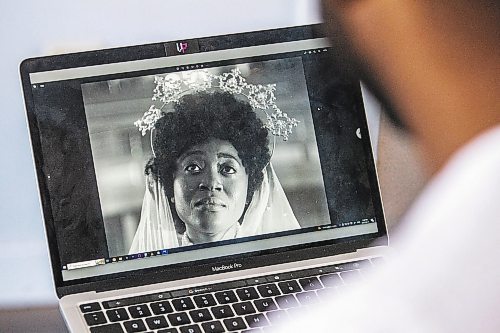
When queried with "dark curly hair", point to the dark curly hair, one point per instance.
{"points": [[199, 117]]}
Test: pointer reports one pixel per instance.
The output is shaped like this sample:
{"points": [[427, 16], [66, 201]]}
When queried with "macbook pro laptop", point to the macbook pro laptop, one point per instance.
{"points": [[203, 185]]}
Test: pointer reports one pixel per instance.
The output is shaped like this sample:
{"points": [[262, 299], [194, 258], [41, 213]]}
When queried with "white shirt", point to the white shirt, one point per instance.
{"points": [[445, 273]]}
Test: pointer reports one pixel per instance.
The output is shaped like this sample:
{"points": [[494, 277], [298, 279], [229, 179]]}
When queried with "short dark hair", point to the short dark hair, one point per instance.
{"points": [[199, 117]]}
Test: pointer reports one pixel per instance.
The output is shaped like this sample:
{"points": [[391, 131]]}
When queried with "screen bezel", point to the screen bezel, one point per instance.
{"points": [[180, 271]]}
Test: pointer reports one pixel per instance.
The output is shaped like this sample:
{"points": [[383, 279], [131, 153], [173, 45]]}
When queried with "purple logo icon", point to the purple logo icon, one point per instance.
{"points": [[182, 47]]}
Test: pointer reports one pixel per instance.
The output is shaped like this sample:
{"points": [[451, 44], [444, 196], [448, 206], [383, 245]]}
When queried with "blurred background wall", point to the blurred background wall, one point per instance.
{"points": [[33, 28]]}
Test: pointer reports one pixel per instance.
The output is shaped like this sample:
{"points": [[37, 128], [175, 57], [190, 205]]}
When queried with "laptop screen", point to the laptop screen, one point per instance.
{"points": [[186, 152]]}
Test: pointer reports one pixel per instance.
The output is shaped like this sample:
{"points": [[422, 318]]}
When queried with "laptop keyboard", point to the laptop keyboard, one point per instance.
{"points": [[248, 305]]}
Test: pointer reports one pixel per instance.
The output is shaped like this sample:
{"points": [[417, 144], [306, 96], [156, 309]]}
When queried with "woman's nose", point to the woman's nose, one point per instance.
{"points": [[211, 181]]}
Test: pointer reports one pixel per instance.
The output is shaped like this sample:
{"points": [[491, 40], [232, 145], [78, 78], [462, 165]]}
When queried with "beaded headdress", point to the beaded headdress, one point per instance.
{"points": [[171, 87]]}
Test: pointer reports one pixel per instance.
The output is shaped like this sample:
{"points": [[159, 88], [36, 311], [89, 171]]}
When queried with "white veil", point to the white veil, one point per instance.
{"points": [[268, 212], [156, 228]]}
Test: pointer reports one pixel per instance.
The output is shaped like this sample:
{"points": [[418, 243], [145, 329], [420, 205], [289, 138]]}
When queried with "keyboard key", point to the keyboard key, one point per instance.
{"points": [[297, 312], [191, 329], [266, 304], [161, 307], [117, 315], [213, 327], [200, 315], [139, 311], [268, 290], [168, 330], [203, 301], [243, 308], [276, 317], [90, 307], [288, 287], [226, 297], [331, 280], [177, 319], [246, 294], [134, 326], [96, 318], [350, 276], [311, 283], [223, 311], [155, 323], [307, 298], [287, 301], [235, 324], [257, 320], [326, 294], [113, 328], [183, 304]]}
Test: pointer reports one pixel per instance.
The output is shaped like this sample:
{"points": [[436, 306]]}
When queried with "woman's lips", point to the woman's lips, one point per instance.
{"points": [[211, 203]]}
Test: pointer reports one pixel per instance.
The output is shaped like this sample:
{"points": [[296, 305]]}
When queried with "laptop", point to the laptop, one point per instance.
{"points": [[152, 226]]}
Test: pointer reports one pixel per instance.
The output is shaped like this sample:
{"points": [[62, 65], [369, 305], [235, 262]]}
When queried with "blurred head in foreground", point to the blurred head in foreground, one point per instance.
{"points": [[433, 64]]}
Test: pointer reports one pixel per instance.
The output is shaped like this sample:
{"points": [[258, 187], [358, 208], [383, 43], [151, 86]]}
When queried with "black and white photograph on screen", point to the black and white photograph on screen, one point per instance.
{"points": [[205, 155]]}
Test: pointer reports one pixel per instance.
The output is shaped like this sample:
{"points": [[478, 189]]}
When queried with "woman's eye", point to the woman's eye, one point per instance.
{"points": [[193, 168], [227, 169]]}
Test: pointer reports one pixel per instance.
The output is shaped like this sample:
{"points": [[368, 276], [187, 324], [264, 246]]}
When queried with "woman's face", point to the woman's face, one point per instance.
{"points": [[210, 187]]}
